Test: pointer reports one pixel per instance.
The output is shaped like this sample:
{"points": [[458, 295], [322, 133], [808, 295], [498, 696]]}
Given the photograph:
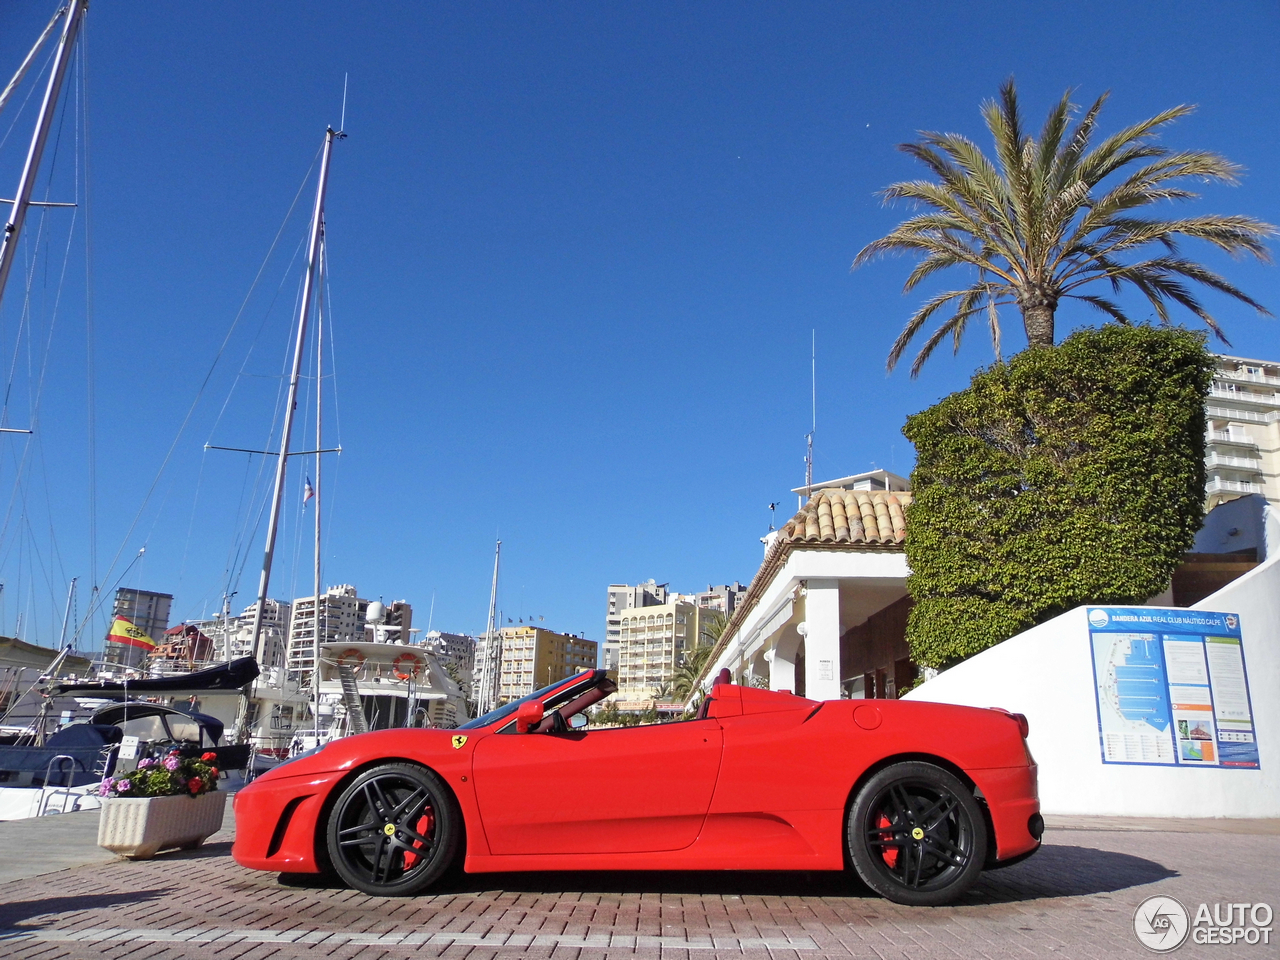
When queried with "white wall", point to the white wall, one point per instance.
{"points": [[1046, 673]]}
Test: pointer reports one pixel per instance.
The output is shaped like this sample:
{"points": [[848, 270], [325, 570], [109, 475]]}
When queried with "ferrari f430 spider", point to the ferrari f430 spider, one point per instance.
{"points": [[917, 798]]}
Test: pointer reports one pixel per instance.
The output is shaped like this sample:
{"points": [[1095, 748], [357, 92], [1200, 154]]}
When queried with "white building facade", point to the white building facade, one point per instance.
{"points": [[1242, 432]]}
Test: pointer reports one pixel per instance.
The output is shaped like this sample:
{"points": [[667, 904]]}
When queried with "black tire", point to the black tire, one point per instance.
{"points": [[916, 834], [394, 830]]}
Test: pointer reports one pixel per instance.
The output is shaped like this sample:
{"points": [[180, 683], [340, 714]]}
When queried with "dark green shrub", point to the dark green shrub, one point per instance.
{"points": [[1072, 474]]}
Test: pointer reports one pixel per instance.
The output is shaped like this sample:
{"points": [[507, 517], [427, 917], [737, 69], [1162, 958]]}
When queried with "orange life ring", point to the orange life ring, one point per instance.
{"points": [[353, 655], [414, 671]]}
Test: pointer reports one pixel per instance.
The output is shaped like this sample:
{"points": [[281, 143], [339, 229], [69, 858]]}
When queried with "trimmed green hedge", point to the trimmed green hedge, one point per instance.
{"points": [[1072, 474]]}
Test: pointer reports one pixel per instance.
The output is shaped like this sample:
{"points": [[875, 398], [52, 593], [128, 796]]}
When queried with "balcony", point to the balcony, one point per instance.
{"points": [[1218, 485], [1226, 436], [1240, 376], [1244, 396], [1234, 413], [1235, 463]]}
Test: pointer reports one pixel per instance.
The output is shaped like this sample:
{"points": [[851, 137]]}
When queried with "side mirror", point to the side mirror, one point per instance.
{"points": [[578, 721], [528, 714]]}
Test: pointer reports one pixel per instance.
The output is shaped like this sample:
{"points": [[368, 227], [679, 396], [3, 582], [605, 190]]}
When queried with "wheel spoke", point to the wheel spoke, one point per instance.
{"points": [[401, 810], [949, 850], [371, 825], [903, 801], [942, 807], [377, 871], [919, 852]]}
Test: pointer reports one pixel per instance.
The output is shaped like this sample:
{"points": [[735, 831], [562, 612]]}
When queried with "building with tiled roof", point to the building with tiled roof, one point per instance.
{"points": [[825, 616]]}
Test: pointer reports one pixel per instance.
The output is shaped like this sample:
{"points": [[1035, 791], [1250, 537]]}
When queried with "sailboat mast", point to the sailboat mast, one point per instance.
{"points": [[304, 312], [26, 184], [315, 641], [492, 645]]}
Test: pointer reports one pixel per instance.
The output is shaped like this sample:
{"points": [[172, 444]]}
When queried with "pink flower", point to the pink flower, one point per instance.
{"points": [[171, 763], [148, 762], [105, 787], [124, 785]]}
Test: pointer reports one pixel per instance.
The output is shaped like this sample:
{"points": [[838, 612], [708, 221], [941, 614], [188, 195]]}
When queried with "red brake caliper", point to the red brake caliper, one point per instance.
{"points": [[424, 826], [890, 854]]}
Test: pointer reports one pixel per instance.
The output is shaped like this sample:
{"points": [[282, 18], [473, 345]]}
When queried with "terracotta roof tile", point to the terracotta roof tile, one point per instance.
{"points": [[849, 516]]}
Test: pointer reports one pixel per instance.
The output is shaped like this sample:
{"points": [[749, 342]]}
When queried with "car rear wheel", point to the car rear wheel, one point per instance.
{"points": [[916, 834], [394, 830]]}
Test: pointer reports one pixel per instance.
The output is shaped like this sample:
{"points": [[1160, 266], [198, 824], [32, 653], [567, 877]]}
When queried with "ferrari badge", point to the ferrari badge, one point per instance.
{"points": [[458, 741]]}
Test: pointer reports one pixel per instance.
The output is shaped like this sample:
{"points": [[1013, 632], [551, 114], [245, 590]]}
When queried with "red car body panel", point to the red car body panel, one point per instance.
{"points": [[763, 782]]}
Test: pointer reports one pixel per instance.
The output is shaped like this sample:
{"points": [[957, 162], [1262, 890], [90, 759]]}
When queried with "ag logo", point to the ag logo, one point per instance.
{"points": [[458, 741], [1161, 924], [1232, 620], [1098, 618]]}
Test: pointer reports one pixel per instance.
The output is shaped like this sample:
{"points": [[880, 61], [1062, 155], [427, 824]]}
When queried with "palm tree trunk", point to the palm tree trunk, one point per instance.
{"points": [[1038, 308]]}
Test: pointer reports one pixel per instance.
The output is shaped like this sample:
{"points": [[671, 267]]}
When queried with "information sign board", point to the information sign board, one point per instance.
{"points": [[1171, 687]]}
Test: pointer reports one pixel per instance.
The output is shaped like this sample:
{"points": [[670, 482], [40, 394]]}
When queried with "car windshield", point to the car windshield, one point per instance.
{"points": [[507, 709]]}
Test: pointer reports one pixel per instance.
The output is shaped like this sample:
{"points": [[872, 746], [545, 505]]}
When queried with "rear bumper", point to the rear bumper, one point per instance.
{"points": [[1013, 800], [277, 823]]}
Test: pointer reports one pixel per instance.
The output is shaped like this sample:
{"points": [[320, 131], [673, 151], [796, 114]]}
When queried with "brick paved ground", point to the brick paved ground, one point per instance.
{"points": [[1075, 898]]}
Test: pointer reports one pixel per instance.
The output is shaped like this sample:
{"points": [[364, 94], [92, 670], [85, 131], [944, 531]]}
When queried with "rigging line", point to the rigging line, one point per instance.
{"points": [[7, 92], [31, 90], [259, 487], [90, 328], [266, 315], [35, 398], [98, 597], [204, 383], [191, 523]]}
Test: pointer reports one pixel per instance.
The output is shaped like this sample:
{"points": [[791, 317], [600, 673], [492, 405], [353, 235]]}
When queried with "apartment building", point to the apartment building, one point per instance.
{"points": [[1242, 433], [651, 645], [624, 596], [456, 653], [723, 598], [147, 611], [532, 658], [233, 636]]}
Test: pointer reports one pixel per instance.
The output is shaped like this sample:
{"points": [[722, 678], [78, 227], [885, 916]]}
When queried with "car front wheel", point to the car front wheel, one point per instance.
{"points": [[394, 830], [916, 834]]}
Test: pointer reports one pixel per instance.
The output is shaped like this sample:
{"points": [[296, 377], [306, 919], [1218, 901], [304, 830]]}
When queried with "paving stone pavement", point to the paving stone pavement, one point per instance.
{"points": [[1075, 898]]}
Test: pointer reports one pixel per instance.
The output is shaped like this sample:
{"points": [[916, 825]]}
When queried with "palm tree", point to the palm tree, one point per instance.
{"points": [[686, 676], [1036, 226]]}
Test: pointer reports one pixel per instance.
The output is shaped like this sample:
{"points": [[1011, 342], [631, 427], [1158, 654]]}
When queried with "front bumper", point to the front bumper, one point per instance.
{"points": [[278, 823]]}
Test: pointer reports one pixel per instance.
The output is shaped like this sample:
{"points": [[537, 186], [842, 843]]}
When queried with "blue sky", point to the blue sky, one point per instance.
{"points": [[576, 253]]}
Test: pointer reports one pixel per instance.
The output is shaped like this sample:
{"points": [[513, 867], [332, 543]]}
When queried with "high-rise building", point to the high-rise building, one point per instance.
{"points": [[624, 596], [1242, 430], [723, 598], [532, 658], [146, 610], [456, 653], [343, 619], [652, 644], [233, 636]]}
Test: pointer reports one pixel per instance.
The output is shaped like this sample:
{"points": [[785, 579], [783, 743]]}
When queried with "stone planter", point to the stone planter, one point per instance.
{"points": [[139, 827]]}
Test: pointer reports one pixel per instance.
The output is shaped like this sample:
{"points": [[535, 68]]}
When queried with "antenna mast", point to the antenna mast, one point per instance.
{"points": [[813, 398], [492, 666]]}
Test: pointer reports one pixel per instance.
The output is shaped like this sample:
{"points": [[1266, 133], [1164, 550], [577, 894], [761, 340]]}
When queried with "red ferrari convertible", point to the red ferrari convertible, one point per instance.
{"points": [[916, 797]]}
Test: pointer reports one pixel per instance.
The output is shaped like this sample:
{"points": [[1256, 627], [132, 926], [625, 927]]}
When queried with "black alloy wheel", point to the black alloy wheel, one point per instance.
{"points": [[916, 834], [394, 830]]}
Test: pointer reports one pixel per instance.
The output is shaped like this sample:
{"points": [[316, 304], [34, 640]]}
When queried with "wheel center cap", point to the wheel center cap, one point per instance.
{"points": [[916, 833], [389, 829]]}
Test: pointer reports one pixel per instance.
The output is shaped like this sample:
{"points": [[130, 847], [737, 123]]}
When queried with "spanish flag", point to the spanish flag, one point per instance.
{"points": [[122, 631]]}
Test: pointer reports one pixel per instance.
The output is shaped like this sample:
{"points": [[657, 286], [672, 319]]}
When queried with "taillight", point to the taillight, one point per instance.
{"points": [[1024, 727]]}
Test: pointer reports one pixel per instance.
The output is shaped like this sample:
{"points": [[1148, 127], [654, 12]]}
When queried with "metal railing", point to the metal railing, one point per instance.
{"points": [[1238, 463], [1244, 396], [1218, 485]]}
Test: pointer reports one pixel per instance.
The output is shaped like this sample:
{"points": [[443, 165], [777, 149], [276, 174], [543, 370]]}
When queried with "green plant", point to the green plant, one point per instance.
{"points": [[173, 775], [1036, 225], [1072, 474]]}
